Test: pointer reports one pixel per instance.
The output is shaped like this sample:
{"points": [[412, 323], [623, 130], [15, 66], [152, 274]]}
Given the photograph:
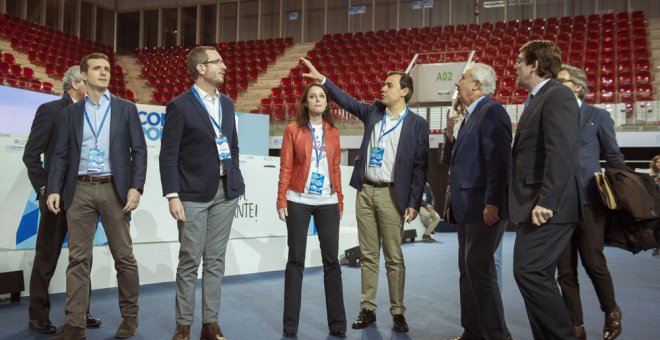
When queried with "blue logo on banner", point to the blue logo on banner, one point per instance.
{"points": [[26, 235]]}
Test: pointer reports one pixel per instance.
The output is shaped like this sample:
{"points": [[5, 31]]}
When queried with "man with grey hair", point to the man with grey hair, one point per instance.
{"points": [[52, 227], [597, 138], [478, 159]]}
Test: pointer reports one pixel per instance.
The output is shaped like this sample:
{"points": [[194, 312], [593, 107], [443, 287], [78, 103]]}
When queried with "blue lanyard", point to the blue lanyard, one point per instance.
{"points": [[215, 122], [317, 151], [96, 133], [382, 125]]}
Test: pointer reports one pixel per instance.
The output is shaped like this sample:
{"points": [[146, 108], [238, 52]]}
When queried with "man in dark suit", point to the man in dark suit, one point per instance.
{"points": [[52, 228], [98, 170], [597, 138], [478, 160], [200, 175], [389, 175], [543, 187]]}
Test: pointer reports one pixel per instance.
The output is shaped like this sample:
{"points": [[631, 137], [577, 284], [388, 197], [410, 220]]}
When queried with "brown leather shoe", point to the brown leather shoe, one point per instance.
{"points": [[612, 327], [41, 326], [92, 322], [127, 328], [70, 333], [182, 332], [211, 331], [580, 333]]}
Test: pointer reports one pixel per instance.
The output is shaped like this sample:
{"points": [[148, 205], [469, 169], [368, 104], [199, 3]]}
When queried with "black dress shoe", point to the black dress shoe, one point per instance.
{"points": [[612, 327], [92, 322], [41, 326], [399, 323], [289, 333], [365, 318], [339, 333]]}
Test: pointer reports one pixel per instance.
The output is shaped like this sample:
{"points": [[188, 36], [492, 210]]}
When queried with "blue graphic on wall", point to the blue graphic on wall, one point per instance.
{"points": [[26, 235], [311, 230]]}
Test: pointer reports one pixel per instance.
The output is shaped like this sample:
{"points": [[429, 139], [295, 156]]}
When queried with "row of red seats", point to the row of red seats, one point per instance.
{"points": [[166, 68], [56, 50], [612, 48]]}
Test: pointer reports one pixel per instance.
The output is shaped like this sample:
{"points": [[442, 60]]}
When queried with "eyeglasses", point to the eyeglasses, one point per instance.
{"points": [[518, 61], [215, 61], [562, 80]]}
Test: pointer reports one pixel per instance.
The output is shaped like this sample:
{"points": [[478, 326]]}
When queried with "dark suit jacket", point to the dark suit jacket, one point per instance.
{"points": [[411, 161], [42, 140], [478, 161], [189, 163], [544, 163], [597, 138], [128, 150]]}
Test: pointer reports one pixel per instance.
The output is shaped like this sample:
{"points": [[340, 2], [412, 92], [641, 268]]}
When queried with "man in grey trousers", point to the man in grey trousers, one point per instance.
{"points": [[202, 182]]}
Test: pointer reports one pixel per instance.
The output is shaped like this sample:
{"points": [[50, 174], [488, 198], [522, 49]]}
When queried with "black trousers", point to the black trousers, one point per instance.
{"points": [[535, 257], [587, 241], [482, 315], [50, 236], [326, 218]]}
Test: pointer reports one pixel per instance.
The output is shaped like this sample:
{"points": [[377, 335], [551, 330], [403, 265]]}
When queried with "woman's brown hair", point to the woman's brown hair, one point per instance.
{"points": [[302, 117]]}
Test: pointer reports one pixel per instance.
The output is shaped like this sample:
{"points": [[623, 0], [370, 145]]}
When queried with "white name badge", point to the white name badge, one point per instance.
{"points": [[376, 158], [316, 184], [223, 147], [95, 161]]}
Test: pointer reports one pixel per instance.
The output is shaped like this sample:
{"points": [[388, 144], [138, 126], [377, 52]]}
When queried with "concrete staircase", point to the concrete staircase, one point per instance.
{"points": [[654, 42], [133, 78], [39, 71], [251, 98]]}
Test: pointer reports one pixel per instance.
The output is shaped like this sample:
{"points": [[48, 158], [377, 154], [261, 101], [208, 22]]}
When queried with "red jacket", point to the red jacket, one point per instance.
{"points": [[296, 157]]}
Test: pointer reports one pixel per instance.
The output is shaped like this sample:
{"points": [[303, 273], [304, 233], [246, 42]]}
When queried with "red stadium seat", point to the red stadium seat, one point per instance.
{"points": [[644, 92]]}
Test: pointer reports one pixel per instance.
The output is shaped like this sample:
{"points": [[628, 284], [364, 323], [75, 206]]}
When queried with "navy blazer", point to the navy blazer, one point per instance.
{"points": [[128, 150], [189, 162], [545, 157], [478, 161], [411, 161], [42, 140], [597, 138]]}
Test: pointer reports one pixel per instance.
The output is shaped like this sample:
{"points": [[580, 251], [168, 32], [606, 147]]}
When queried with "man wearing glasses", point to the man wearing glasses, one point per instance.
{"points": [[596, 137], [543, 187], [202, 182]]}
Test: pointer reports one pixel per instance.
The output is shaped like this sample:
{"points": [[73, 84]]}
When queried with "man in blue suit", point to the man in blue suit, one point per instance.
{"points": [[478, 160], [202, 181], [389, 175], [98, 170], [596, 138]]}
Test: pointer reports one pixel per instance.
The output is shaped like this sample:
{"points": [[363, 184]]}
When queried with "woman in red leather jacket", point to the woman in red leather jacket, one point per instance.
{"points": [[310, 185]]}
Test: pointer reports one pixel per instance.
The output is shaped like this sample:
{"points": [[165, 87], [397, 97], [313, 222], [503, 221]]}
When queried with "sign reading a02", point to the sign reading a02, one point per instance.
{"points": [[444, 76]]}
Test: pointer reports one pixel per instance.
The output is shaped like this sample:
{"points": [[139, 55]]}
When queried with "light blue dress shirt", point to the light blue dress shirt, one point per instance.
{"points": [[95, 113]]}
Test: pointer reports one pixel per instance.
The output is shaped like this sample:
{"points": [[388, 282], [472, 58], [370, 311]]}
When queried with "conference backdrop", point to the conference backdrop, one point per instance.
{"points": [[255, 215]]}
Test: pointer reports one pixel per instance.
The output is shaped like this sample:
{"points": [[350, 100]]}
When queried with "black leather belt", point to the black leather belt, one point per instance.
{"points": [[378, 184], [95, 179]]}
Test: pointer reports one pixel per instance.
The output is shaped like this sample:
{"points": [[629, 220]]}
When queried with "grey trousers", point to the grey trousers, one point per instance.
{"points": [[204, 234]]}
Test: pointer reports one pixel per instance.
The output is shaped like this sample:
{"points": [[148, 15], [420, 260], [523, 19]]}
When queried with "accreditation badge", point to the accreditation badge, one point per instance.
{"points": [[95, 161], [223, 148], [376, 158], [316, 184]]}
